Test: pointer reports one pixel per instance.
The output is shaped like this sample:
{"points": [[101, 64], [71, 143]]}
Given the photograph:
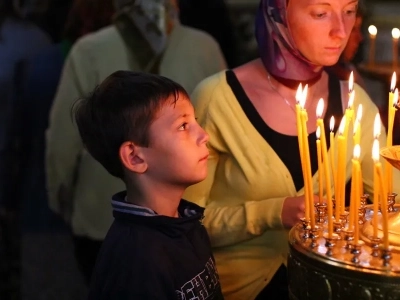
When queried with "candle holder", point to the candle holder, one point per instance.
{"points": [[321, 212], [344, 219], [337, 227], [356, 251], [306, 228], [330, 243], [375, 242], [314, 236], [349, 238], [386, 257], [391, 202]]}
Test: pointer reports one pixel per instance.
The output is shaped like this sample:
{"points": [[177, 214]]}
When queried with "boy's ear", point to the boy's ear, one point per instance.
{"points": [[132, 158]]}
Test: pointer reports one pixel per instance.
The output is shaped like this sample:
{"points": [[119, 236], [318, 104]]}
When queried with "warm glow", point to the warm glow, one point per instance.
{"points": [[356, 124], [351, 82], [377, 126], [320, 108], [342, 125], [396, 98], [299, 93], [351, 99], [318, 133], [375, 150], [393, 82], [332, 123], [395, 33], [359, 112], [372, 30], [356, 151]]}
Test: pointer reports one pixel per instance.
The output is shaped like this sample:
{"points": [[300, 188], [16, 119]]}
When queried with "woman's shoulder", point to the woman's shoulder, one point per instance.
{"points": [[209, 88]]}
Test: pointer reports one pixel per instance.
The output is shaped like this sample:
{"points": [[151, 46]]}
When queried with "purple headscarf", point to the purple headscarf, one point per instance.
{"points": [[276, 47]]}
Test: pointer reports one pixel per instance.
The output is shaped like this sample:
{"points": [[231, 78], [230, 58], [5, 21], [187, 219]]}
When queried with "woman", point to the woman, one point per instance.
{"points": [[254, 190]]}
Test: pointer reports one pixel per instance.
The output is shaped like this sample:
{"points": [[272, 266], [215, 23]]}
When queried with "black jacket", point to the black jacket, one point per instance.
{"points": [[155, 257]]}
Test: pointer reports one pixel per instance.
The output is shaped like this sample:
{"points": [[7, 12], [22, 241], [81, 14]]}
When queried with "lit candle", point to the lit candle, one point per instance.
{"points": [[356, 193], [307, 163], [332, 148], [328, 187], [320, 166], [357, 126], [341, 171], [349, 110], [299, 96], [392, 108], [377, 132], [395, 38], [382, 192], [373, 31]]}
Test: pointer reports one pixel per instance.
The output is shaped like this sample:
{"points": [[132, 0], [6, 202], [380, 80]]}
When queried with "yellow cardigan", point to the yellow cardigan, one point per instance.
{"points": [[247, 184]]}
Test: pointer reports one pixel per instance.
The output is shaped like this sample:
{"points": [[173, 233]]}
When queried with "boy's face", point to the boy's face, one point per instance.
{"points": [[177, 152]]}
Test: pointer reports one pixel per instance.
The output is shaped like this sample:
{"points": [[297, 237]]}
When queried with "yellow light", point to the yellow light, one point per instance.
{"points": [[375, 150], [299, 94], [395, 33], [373, 31], [320, 108], [393, 82], [359, 112], [356, 151], [396, 97], [351, 82], [377, 126], [351, 99], [332, 123]]}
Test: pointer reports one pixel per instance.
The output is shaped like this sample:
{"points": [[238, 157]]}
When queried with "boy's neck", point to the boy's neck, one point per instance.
{"points": [[164, 200]]}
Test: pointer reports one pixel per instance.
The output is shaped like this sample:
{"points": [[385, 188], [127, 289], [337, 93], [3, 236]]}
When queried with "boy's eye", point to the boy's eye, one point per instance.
{"points": [[183, 126]]}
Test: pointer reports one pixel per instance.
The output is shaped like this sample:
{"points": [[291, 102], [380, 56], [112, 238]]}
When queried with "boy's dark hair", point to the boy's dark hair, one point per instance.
{"points": [[121, 109]]}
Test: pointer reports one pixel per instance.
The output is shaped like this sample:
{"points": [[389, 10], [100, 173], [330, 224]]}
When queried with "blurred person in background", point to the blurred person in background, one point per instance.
{"points": [[146, 36], [19, 40], [43, 72]]}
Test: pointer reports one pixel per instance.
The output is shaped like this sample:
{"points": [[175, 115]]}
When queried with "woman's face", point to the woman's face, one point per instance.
{"points": [[321, 28]]}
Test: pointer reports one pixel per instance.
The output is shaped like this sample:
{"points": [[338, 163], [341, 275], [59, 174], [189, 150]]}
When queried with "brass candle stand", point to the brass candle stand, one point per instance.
{"points": [[337, 266]]}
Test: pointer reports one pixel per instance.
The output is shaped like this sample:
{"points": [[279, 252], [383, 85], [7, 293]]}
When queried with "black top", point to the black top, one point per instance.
{"points": [[148, 256], [286, 146]]}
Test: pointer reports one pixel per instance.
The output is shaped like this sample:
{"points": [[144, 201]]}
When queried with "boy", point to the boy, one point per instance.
{"points": [[142, 129]]}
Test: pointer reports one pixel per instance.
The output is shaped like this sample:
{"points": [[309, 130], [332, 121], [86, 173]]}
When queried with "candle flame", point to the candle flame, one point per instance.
{"points": [[395, 33], [342, 125], [332, 123], [372, 30], [377, 126], [393, 82], [359, 112], [396, 98], [318, 133], [351, 99], [356, 151], [299, 93], [320, 108], [351, 82], [304, 96], [356, 124], [375, 151]]}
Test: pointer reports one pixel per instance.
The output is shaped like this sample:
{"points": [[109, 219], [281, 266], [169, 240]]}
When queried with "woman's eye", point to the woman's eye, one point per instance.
{"points": [[319, 15], [350, 12], [183, 126]]}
